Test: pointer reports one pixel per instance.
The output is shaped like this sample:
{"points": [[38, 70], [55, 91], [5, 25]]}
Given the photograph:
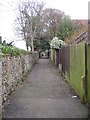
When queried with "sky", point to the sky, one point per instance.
{"points": [[77, 9]]}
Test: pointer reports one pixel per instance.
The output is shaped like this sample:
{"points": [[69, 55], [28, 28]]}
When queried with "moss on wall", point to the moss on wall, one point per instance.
{"points": [[76, 75], [77, 68]]}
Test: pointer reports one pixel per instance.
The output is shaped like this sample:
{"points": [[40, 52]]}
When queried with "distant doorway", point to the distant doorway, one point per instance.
{"points": [[44, 54]]}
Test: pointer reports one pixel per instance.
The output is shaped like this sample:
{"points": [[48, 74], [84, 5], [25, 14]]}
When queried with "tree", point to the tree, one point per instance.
{"points": [[0, 39], [52, 19], [39, 26], [30, 22], [66, 28]]}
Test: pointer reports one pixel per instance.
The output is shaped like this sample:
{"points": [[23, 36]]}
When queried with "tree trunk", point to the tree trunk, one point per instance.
{"points": [[26, 40], [32, 44], [27, 46]]}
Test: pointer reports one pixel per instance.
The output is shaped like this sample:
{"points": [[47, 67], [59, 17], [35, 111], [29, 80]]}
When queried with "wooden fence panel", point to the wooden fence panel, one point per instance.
{"points": [[77, 69], [88, 72], [75, 61]]}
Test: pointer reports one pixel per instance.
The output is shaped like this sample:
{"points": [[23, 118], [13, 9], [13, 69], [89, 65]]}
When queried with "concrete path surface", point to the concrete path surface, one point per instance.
{"points": [[44, 95]]}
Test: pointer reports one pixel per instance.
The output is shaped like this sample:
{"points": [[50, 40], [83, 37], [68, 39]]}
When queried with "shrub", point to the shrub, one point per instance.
{"points": [[13, 51], [56, 43]]}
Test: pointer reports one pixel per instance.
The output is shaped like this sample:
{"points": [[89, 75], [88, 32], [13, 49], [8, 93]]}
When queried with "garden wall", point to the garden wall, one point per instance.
{"points": [[13, 70]]}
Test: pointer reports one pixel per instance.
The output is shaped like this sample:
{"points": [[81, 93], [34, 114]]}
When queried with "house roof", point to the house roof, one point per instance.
{"points": [[83, 22]]}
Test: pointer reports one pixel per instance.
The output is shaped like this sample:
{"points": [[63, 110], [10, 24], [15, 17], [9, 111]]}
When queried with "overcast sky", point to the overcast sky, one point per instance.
{"points": [[77, 9]]}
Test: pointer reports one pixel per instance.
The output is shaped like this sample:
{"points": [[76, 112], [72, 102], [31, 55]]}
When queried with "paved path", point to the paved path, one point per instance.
{"points": [[44, 95]]}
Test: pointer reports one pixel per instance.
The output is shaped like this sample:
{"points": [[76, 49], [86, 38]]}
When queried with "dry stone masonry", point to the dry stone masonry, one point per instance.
{"points": [[13, 70]]}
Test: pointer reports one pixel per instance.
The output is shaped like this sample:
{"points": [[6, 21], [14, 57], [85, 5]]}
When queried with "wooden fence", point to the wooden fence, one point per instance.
{"points": [[75, 63], [88, 72]]}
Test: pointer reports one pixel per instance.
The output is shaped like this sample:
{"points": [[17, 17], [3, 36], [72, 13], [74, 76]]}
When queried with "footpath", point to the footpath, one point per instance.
{"points": [[44, 95]]}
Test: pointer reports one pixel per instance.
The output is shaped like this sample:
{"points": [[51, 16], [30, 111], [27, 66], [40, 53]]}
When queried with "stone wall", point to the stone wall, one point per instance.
{"points": [[13, 70]]}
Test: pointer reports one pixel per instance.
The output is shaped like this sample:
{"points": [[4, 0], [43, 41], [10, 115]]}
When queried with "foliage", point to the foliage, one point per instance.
{"points": [[13, 51], [65, 29], [0, 39], [42, 44], [52, 19], [56, 43], [34, 21]]}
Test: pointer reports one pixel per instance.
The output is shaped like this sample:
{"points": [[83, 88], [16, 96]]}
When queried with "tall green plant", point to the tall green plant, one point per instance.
{"points": [[65, 29]]}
